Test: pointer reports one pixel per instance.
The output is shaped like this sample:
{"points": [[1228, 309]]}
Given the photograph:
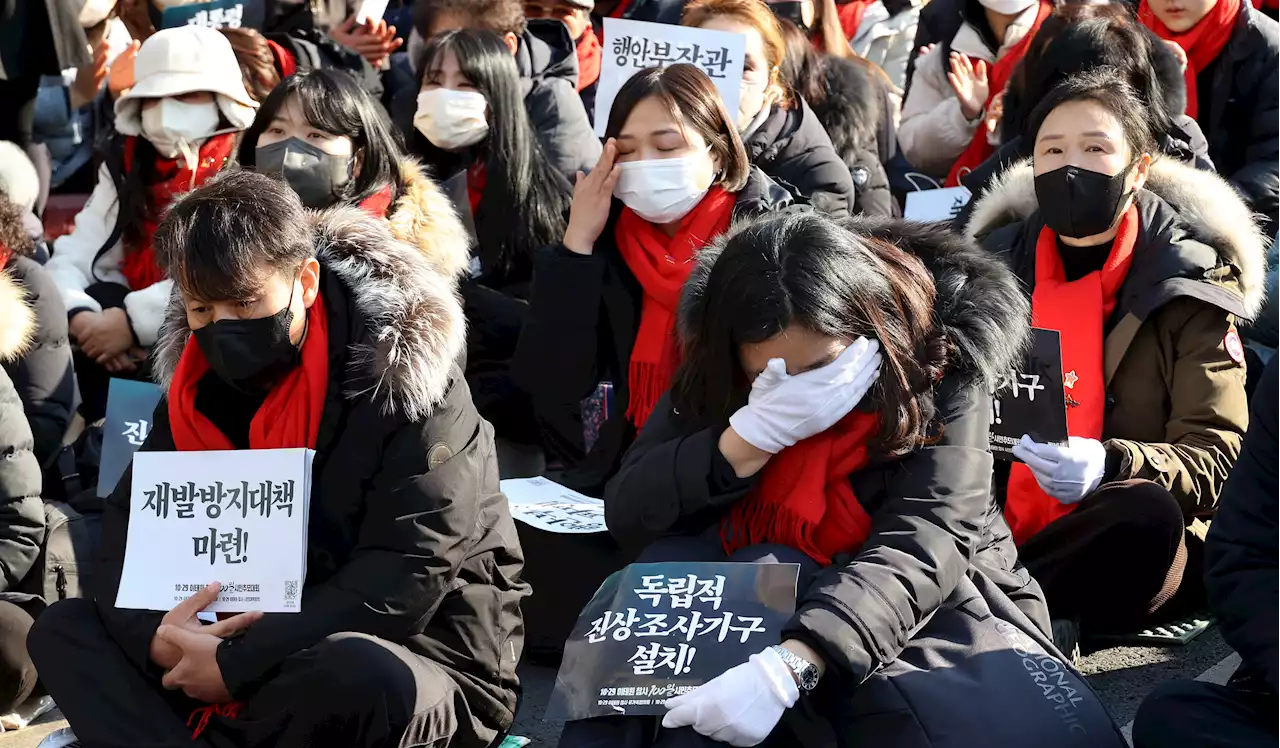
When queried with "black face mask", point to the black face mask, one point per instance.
{"points": [[790, 10], [250, 354], [1077, 202], [319, 178]]}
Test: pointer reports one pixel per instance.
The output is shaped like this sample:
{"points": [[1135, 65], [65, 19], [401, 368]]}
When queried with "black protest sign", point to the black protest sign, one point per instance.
{"points": [[654, 631], [1032, 402]]}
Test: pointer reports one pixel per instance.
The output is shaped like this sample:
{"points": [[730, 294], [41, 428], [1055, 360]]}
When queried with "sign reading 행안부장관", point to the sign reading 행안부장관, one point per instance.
{"points": [[654, 631], [238, 517], [632, 46], [1033, 402]]}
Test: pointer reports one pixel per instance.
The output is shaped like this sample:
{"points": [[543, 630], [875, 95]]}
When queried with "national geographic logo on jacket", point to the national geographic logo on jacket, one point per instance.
{"points": [[1048, 674]]}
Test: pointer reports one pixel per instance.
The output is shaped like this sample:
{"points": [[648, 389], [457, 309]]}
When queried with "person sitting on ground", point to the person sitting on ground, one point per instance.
{"points": [[576, 16], [959, 78], [831, 411], [1077, 38], [22, 525], [332, 143], [548, 65], [178, 126], [1241, 560], [672, 177], [472, 128], [1142, 266], [1232, 59], [852, 101], [319, 330], [781, 133], [43, 374]]}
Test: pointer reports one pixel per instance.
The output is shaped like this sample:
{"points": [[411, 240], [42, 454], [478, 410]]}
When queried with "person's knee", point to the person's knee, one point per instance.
{"points": [[1150, 507], [350, 671], [1161, 717], [58, 625]]}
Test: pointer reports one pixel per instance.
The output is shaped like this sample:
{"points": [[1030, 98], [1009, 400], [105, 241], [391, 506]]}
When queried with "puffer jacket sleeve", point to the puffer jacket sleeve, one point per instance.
{"points": [[933, 132], [861, 614], [672, 479], [563, 128], [1258, 180], [1241, 552], [146, 309], [73, 254], [1207, 416], [21, 510]]}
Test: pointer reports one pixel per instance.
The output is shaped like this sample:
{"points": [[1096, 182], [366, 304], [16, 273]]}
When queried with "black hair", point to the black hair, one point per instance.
{"points": [[1075, 39], [332, 100], [217, 239], [525, 202], [1108, 88], [499, 16], [799, 267]]}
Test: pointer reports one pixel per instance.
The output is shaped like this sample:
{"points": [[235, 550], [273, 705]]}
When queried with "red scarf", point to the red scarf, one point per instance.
{"points": [[172, 179], [589, 54], [851, 16], [286, 63], [1202, 43], [803, 498], [477, 178], [378, 203], [979, 149], [290, 415], [1078, 310], [5, 255], [662, 264]]}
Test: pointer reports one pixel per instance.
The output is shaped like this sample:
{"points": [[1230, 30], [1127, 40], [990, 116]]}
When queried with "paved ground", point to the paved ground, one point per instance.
{"points": [[1122, 676]]}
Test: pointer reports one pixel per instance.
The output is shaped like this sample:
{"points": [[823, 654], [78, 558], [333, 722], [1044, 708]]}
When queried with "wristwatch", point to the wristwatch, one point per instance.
{"points": [[806, 672]]}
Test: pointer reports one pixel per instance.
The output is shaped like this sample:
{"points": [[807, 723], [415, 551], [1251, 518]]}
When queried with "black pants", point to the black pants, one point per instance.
{"points": [[17, 671], [1115, 560], [647, 732], [1191, 714], [350, 690], [94, 380]]}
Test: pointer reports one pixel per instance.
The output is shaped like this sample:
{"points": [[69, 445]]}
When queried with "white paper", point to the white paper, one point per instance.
{"points": [[632, 46], [549, 506], [200, 517], [936, 205], [371, 10]]}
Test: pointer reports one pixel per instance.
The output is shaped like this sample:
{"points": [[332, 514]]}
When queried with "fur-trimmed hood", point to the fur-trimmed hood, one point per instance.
{"points": [[980, 305], [17, 319], [415, 324], [1208, 209], [424, 217]]}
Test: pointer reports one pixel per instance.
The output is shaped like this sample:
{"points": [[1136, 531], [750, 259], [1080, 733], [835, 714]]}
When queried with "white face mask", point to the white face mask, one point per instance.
{"points": [[662, 190], [452, 119], [1007, 7], [175, 127]]}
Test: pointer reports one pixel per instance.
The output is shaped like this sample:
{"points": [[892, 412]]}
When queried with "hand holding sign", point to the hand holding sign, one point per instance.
{"points": [[592, 199], [166, 653], [1068, 473], [739, 707]]}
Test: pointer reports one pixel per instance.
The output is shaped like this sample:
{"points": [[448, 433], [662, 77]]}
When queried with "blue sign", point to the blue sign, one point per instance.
{"points": [[130, 409]]}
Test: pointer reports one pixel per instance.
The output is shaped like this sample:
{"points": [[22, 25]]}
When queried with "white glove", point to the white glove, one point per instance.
{"points": [[740, 706], [1068, 473], [783, 409]]}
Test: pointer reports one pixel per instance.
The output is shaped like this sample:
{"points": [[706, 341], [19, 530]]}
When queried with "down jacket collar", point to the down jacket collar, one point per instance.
{"points": [[979, 303], [1207, 209], [424, 217], [17, 320], [415, 325]]}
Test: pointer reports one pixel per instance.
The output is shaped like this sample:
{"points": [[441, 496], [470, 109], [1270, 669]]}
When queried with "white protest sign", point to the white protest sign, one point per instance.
{"points": [[549, 506], [936, 205], [632, 46], [371, 10], [237, 517]]}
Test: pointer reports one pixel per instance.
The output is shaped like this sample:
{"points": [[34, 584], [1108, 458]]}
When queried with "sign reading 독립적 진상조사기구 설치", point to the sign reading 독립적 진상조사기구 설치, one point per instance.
{"points": [[1034, 400], [238, 517], [631, 46]]}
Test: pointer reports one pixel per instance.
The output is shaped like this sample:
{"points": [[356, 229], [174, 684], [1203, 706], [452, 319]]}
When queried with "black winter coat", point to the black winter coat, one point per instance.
{"points": [[409, 537], [934, 518], [856, 119], [793, 148], [584, 312], [41, 37], [548, 61], [1241, 554], [21, 511], [1240, 112], [44, 376], [654, 11]]}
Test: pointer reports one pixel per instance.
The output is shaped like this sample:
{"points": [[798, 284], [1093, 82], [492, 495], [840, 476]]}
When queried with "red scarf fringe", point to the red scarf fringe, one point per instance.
{"points": [[1202, 42], [231, 710], [662, 264], [1078, 310]]}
